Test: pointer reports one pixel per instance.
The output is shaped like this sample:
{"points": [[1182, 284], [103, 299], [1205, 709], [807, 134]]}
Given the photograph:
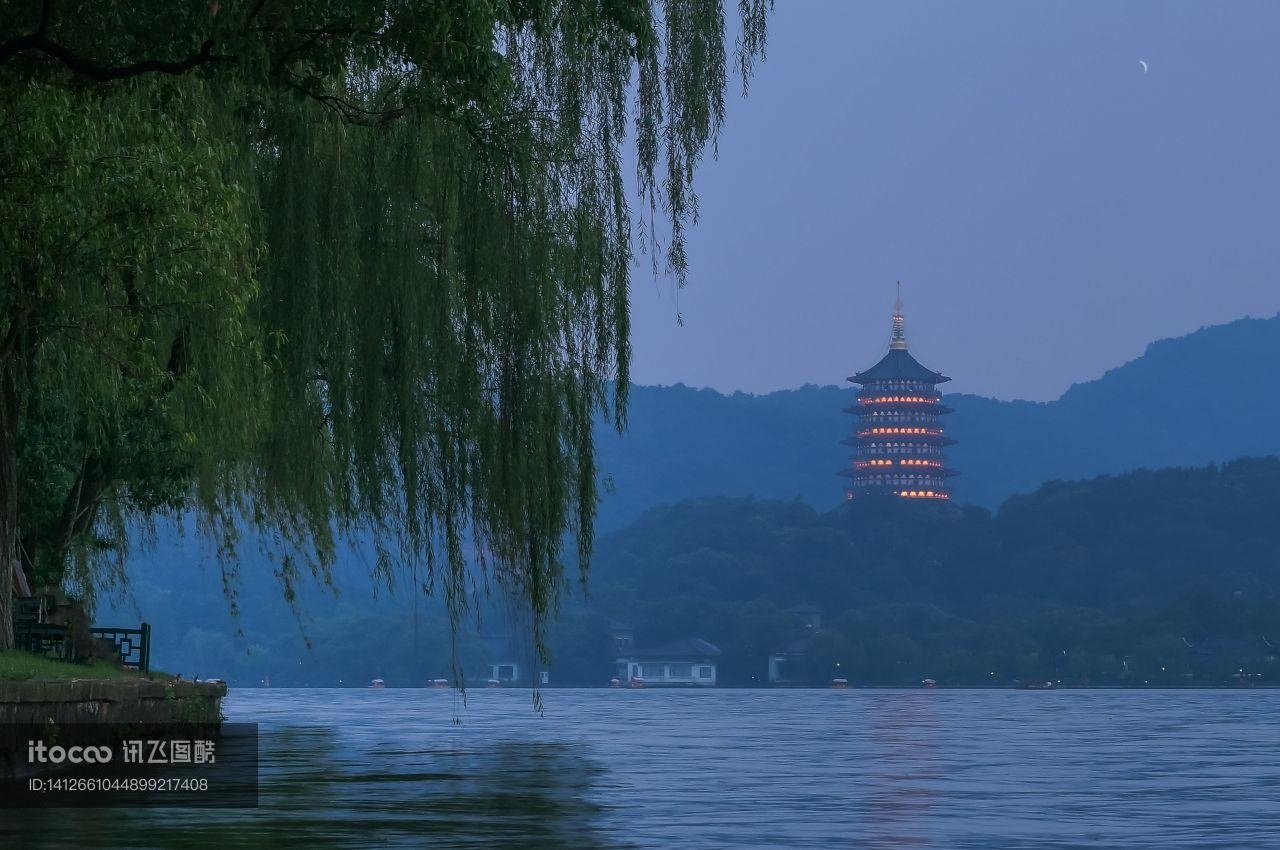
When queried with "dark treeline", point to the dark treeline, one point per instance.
{"points": [[1165, 577], [1162, 578]]}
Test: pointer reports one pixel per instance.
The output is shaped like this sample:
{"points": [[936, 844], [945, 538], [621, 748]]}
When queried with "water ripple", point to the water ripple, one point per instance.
{"points": [[735, 769]]}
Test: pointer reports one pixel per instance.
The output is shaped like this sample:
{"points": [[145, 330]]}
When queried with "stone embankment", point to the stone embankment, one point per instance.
{"points": [[111, 700]]}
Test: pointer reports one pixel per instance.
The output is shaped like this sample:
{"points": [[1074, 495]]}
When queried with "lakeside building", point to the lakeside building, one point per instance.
{"points": [[503, 659], [688, 662], [510, 661], [898, 441]]}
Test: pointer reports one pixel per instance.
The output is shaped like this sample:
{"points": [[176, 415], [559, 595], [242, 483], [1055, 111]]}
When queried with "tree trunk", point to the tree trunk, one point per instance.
{"points": [[11, 574], [15, 364]]}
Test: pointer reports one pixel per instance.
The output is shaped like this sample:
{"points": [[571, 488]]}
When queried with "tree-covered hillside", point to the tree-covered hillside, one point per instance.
{"points": [[1207, 397], [1153, 577]]}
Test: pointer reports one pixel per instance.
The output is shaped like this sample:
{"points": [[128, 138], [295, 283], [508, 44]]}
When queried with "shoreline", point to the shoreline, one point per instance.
{"points": [[125, 700], [904, 688]]}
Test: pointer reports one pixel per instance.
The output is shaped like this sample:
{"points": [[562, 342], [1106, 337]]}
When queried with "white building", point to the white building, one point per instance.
{"points": [[688, 662]]}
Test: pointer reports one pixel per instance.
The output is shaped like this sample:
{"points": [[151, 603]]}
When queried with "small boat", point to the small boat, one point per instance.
{"points": [[377, 683], [439, 683], [1037, 686], [614, 683], [839, 684], [637, 682], [928, 683], [493, 683]]}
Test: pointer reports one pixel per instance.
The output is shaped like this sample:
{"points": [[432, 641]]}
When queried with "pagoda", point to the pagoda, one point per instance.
{"points": [[898, 444]]}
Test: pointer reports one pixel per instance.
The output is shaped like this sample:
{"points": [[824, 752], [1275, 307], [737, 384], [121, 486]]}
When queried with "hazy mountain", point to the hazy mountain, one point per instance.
{"points": [[1209, 396]]}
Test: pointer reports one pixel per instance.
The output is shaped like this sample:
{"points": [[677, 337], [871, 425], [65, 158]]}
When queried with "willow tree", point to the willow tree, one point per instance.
{"points": [[331, 269]]}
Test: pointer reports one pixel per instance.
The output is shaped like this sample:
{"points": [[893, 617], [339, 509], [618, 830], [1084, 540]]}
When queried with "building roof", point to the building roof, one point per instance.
{"points": [[688, 647], [899, 364]]}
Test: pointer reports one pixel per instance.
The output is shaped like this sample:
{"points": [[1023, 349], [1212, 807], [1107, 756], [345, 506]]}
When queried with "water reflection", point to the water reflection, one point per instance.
{"points": [[900, 783], [716, 769], [321, 789]]}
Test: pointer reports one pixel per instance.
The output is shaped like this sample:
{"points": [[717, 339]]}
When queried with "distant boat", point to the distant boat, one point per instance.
{"points": [[637, 682], [839, 684], [614, 683], [493, 683], [1037, 686], [439, 683], [928, 683], [377, 683]]}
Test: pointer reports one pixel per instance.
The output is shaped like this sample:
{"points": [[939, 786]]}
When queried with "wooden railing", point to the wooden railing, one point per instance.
{"points": [[33, 632], [132, 645]]}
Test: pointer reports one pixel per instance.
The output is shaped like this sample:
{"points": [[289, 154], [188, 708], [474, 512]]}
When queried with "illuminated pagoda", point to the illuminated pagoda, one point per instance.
{"points": [[898, 444]]}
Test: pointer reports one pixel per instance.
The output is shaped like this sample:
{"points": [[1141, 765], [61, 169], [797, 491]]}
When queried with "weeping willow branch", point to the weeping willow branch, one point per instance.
{"points": [[393, 243]]}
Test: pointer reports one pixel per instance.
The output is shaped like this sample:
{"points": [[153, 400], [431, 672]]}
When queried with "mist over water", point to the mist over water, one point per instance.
{"points": [[614, 769]]}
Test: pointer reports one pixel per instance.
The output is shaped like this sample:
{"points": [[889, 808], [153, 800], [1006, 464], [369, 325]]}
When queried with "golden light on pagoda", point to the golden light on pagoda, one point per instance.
{"points": [[898, 400], [898, 389]]}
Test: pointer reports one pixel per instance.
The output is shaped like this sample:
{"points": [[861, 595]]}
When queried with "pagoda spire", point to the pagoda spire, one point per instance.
{"points": [[899, 341]]}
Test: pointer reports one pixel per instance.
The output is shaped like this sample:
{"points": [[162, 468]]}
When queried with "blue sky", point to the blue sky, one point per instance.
{"points": [[1049, 208]]}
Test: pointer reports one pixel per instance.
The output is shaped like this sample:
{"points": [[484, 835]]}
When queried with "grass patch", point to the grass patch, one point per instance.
{"points": [[17, 666]]}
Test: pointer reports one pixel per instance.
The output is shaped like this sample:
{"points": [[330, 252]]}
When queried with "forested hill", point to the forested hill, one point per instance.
{"points": [[1206, 397], [1168, 576]]}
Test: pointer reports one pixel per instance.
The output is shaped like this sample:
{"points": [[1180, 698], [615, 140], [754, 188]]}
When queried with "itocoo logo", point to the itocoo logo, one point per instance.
{"points": [[39, 752]]}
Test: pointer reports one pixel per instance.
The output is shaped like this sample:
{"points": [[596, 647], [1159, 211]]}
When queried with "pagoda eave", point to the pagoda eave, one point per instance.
{"points": [[915, 439], [915, 471], [863, 408]]}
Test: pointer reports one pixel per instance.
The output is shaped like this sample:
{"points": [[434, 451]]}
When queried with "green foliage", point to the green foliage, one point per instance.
{"points": [[123, 312], [334, 269]]}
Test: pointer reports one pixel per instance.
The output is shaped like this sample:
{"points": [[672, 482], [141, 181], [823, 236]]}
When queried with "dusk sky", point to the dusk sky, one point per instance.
{"points": [[1049, 208]]}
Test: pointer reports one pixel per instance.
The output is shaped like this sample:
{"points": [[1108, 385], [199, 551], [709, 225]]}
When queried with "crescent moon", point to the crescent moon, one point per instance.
{"points": [[1144, 66]]}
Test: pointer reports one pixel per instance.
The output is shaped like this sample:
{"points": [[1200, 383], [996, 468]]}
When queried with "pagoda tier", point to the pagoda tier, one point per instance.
{"points": [[896, 468], [893, 402], [898, 438], [911, 407]]}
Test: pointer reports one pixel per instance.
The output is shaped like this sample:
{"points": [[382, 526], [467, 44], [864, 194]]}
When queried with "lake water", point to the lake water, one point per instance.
{"points": [[731, 769]]}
